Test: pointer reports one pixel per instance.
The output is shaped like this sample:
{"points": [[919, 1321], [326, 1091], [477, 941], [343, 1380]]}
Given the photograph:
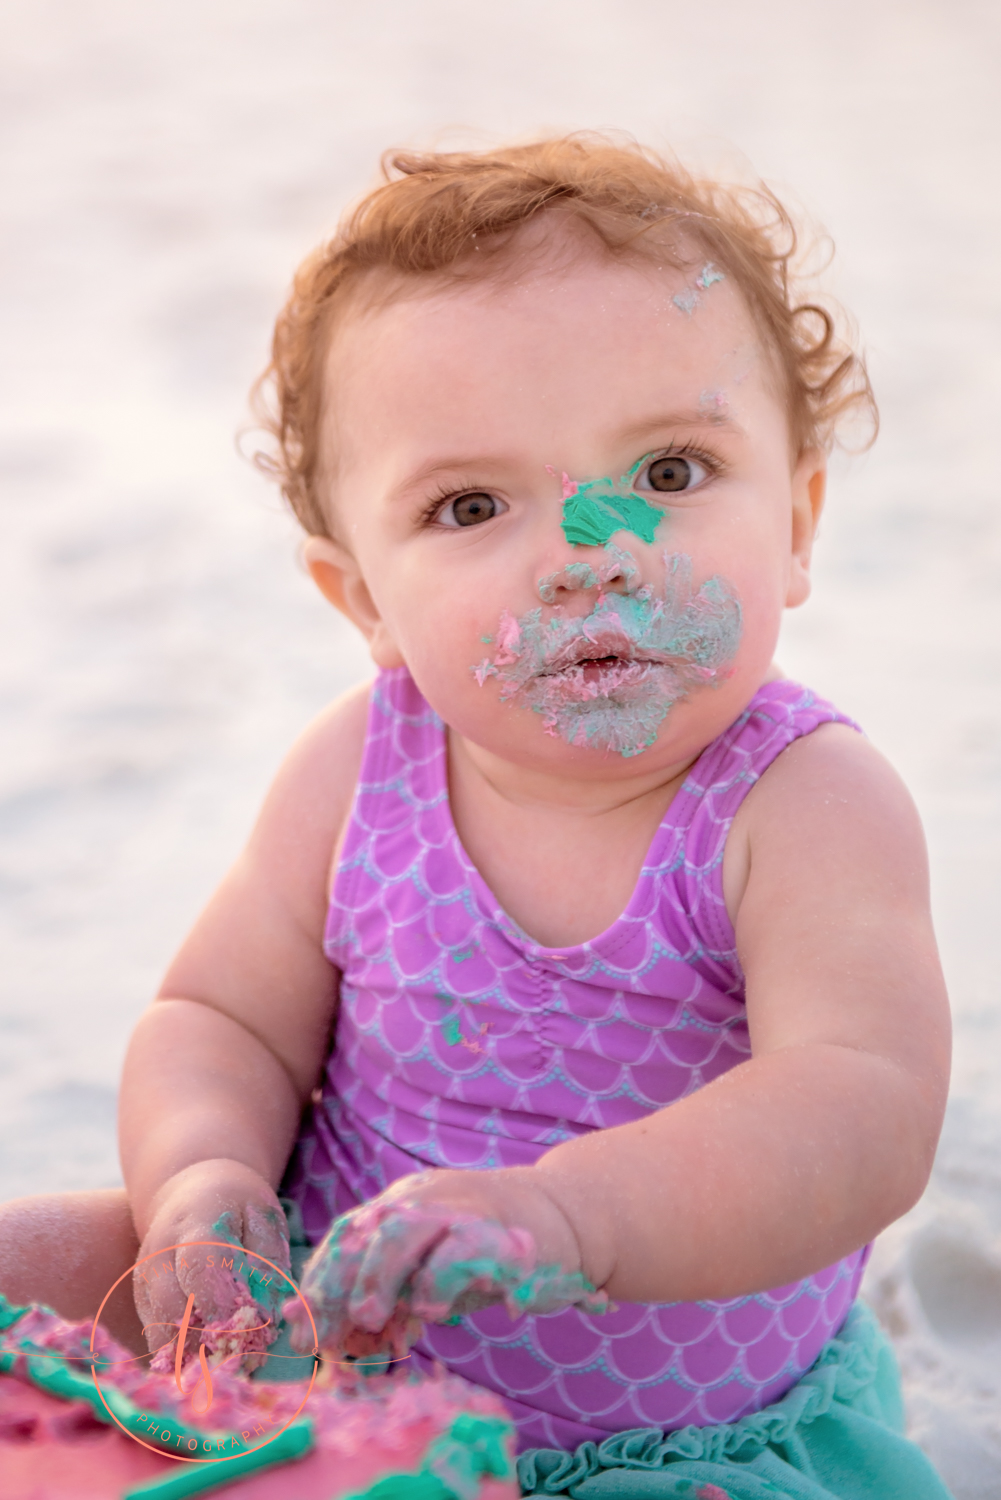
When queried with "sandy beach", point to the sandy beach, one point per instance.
{"points": [[164, 169]]}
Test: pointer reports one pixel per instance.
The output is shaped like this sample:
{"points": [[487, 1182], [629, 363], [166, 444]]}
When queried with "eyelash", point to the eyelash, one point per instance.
{"points": [[708, 461], [443, 493], [441, 497]]}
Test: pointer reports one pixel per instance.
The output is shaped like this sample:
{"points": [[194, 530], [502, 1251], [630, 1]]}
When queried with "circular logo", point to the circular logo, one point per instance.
{"points": [[170, 1434]]}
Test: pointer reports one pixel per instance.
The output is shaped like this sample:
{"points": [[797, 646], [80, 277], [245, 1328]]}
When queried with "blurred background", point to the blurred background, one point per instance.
{"points": [[164, 169]]}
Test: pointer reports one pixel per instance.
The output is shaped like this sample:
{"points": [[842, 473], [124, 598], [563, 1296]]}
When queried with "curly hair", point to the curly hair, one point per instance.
{"points": [[432, 210]]}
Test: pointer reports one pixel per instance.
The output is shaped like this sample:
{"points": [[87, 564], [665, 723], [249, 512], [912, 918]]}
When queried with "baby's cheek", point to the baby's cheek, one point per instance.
{"points": [[443, 657]]}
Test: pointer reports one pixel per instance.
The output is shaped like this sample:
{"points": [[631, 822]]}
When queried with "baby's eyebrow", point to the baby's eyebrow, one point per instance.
{"points": [[708, 415], [460, 463]]}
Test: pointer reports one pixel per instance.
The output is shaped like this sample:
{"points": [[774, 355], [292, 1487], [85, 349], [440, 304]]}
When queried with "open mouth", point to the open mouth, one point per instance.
{"points": [[597, 673], [598, 668], [595, 655]]}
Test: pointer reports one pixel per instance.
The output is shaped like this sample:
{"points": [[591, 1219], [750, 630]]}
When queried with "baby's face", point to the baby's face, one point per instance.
{"points": [[568, 505]]}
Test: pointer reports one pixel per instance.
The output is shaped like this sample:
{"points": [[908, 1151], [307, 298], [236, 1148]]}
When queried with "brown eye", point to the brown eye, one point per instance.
{"points": [[667, 474], [470, 510]]}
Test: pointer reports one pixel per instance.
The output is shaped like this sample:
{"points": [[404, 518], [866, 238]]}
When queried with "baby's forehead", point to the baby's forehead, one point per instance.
{"points": [[544, 262], [549, 305]]}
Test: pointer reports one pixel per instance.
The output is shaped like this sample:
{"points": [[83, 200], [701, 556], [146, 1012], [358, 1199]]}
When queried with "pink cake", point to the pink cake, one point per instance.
{"points": [[389, 1438]]}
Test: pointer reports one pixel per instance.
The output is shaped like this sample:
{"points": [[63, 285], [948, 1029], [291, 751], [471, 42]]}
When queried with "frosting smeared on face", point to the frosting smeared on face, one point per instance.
{"points": [[595, 509], [608, 679], [582, 576], [688, 299]]}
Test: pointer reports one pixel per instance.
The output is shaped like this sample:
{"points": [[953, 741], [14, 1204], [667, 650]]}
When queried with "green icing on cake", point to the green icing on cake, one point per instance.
{"points": [[455, 1465], [197, 1479], [9, 1315]]}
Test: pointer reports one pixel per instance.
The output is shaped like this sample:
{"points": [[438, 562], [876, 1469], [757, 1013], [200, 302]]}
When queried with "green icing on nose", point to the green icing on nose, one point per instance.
{"points": [[595, 510]]}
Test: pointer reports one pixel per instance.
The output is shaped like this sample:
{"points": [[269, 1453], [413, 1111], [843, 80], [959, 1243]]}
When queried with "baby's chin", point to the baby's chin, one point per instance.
{"points": [[613, 705], [620, 735]]}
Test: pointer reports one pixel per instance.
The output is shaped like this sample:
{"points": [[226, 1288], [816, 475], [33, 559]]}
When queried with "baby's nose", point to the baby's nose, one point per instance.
{"points": [[612, 572]]}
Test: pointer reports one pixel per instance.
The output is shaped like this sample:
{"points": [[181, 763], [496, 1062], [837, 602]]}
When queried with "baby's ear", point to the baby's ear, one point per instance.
{"points": [[339, 578], [809, 485]]}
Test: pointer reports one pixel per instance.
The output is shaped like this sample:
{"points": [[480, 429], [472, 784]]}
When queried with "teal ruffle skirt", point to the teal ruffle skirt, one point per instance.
{"points": [[837, 1435]]}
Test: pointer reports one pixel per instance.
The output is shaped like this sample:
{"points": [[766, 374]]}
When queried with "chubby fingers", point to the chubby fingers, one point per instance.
{"points": [[160, 1302], [327, 1281], [231, 1300], [393, 1256], [477, 1263], [407, 1256], [358, 1276]]}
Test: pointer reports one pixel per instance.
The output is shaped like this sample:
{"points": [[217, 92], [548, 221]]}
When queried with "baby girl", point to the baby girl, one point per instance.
{"points": [[577, 987]]}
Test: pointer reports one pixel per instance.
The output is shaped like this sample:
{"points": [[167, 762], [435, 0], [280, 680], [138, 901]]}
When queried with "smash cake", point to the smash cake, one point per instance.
{"points": [[83, 1419]]}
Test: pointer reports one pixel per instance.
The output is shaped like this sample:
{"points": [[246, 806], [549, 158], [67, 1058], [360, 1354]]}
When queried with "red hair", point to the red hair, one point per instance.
{"points": [[432, 210]]}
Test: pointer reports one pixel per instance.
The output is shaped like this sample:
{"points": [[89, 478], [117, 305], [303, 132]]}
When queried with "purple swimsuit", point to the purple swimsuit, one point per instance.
{"points": [[463, 1043]]}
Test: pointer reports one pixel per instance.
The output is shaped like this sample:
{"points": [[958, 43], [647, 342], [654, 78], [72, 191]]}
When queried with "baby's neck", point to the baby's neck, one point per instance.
{"points": [[564, 791], [561, 847], [560, 855]]}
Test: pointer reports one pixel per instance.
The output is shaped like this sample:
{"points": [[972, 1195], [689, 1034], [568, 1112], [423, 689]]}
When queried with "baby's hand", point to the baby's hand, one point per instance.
{"points": [[432, 1247], [235, 1311]]}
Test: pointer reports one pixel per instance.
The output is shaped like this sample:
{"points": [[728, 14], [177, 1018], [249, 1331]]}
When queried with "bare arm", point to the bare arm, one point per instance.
{"points": [[221, 1064]]}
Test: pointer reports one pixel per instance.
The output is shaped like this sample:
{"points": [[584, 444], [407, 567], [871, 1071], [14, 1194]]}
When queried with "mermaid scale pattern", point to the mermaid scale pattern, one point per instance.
{"points": [[462, 1043]]}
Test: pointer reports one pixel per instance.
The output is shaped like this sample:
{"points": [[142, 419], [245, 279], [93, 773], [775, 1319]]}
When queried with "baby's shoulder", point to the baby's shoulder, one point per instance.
{"points": [[334, 742], [327, 756], [309, 801], [829, 801], [832, 765]]}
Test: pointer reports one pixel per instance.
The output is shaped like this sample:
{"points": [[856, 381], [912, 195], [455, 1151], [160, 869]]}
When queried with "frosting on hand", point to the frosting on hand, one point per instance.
{"points": [[237, 1298], [397, 1261]]}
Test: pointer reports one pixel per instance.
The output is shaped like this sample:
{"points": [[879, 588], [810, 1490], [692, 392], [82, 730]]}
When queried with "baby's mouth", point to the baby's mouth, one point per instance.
{"points": [[595, 656], [599, 668], [596, 669]]}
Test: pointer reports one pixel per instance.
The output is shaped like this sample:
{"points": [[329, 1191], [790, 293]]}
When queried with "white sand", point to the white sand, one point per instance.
{"points": [[164, 167]]}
